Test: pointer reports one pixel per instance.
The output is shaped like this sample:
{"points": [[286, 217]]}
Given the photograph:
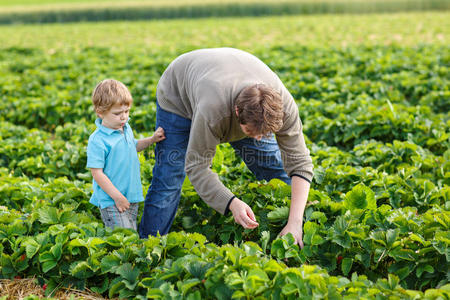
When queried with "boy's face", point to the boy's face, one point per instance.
{"points": [[116, 117]]}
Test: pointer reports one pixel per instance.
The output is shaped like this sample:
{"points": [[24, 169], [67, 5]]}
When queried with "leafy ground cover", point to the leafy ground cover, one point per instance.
{"points": [[376, 117], [151, 38]]}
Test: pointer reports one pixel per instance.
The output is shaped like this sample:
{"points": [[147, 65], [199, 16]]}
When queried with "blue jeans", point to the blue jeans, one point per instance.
{"points": [[263, 158]]}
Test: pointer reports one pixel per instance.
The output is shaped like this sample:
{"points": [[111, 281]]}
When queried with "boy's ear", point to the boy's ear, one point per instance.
{"points": [[97, 112]]}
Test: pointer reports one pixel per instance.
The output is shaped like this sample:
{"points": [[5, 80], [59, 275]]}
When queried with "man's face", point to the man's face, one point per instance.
{"points": [[248, 130]]}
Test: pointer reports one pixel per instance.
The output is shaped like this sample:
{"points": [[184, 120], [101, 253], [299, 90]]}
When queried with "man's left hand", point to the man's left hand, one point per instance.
{"points": [[296, 230]]}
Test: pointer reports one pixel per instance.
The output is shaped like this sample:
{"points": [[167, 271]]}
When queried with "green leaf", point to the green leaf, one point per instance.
{"points": [[48, 265], [238, 295], [265, 238], [309, 231], [68, 216], [346, 265], [56, 250], [403, 272], [277, 183], [318, 215], [403, 254], [109, 263], [115, 288], [31, 247], [360, 197], [128, 272], [257, 275], [417, 238], [197, 268], [424, 268], [391, 236], [46, 256], [273, 266], [278, 214], [101, 289], [152, 294], [48, 215], [194, 296], [393, 281], [234, 279], [188, 222], [289, 289], [188, 284], [81, 270]]}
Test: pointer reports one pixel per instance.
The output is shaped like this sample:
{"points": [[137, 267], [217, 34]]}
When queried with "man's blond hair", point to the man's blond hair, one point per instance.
{"points": [[109, 92], [260, 107]]}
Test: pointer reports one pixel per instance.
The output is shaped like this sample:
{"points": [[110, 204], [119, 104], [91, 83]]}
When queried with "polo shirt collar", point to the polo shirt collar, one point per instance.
{"points": [[107, 130]]}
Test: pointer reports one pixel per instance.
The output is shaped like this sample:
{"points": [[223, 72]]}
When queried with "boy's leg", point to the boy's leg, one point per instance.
{"points": [[163, 195], [262, 157], [113, 218], [132, 213]]}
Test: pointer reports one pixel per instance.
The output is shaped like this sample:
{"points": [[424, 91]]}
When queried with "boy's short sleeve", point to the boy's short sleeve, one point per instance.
{"points": [[96, 154], [135, 142]]}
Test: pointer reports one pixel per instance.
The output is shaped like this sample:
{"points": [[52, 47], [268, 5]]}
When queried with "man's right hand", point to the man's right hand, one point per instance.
{"points": [[122, 204], [243, 214]]}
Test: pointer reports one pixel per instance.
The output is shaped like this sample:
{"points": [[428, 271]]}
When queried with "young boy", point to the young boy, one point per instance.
{"points": [[112, 156]]}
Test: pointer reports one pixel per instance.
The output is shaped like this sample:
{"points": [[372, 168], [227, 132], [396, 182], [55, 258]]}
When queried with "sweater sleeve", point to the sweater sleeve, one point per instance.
{"points": [[290, 139], [200, 152]]}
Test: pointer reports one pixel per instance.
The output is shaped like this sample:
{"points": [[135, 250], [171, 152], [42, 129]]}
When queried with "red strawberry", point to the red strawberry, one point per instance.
{"points": [[339, 259], [44, 287]]}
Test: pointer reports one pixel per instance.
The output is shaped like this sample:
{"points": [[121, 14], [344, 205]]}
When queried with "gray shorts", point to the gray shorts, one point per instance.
{"points": [[113, 218]]}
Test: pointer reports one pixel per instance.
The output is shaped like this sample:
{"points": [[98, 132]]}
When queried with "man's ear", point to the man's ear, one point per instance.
{"points": [[236, 110]]}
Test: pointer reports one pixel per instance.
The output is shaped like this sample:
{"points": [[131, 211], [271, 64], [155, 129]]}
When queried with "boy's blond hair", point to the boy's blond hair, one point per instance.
{"points": [[260, 107], [109, 92]]}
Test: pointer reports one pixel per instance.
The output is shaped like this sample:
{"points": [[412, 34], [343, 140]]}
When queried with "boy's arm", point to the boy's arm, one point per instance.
{"points": [[156, 137], [108, 187]]}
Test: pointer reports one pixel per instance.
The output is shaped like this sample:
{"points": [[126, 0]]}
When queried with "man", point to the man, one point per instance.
{"points": [[211, 96]]}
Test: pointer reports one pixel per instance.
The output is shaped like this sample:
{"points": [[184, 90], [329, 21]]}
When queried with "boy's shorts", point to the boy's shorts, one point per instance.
{"points": [[113, 218]]}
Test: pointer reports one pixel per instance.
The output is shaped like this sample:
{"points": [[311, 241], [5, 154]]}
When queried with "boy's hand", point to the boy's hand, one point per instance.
{"points": [[122, 204], [158, 135]]}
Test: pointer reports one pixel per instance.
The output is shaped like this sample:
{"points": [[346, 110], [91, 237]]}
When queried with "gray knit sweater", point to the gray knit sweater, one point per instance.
{"points": [[202, 86]]}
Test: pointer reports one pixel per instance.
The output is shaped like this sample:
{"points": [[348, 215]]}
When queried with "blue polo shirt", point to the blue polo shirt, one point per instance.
{"points": [[115, 152]]}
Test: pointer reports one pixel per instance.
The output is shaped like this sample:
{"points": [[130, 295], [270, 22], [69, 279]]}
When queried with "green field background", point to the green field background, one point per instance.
{"points": [[79, 11], [249, 33]]}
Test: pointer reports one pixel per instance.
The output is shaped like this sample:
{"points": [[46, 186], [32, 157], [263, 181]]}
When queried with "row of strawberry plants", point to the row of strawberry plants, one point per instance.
{"points": [[402, 74], [370, 228], [400, 174], [340, 228], [72, 137], [178, 265], [363, 119], [45, 91], [40, 154], [37, 153], [61, 197]]}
